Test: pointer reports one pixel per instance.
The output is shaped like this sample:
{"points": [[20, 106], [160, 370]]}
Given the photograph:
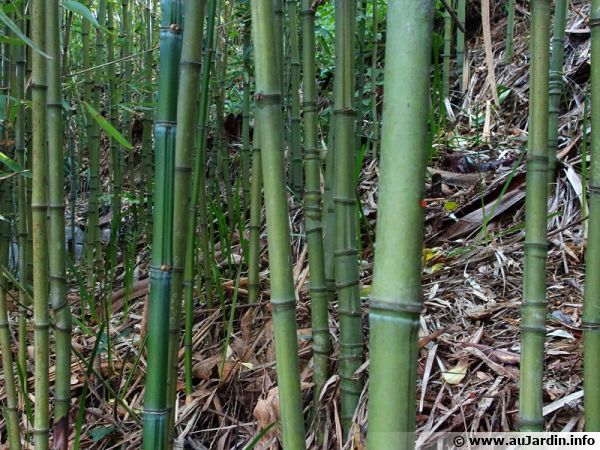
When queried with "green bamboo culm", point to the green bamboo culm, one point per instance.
{"points": [[10, 410], [189, 87], [591, 300], [447, 54], [39, 207], [198, 204], [295, 120], [396, 298], [147, 122], [56, 241], [255, 222], [312, 208], [460, 44], [344, 199], [533, 308], [556, 83], [246, 152], [115, 151], [510, 30], [361, 25], [24, 211], [95, 264], [270, 118], [374, 73], [156, 409]]}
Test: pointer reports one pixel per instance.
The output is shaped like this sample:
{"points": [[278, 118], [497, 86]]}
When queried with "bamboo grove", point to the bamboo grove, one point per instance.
{"points": [[141, 143]]}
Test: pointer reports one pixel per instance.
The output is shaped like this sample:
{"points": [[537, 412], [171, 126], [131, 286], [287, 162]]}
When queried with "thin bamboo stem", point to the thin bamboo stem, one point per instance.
{"points": [[344, 199], [460, 44], [312, 210], [56, 243], [39, 207], [270, 117], [533, 308], [556, 83], [189, 87]]}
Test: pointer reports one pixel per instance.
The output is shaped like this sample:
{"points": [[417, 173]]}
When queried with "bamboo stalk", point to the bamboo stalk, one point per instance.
{"points": [[312, 210], [533, 308], [246, 118], [24, 211], [510, 30], [189, 87], [374, 76], [396, 298], [147, 176], [156, 406], [591, 303], [95, 264], [295, 121], [447, 54], [255, 222], [460, 45], [39, 207], [56, 242], [556, 83], [269, 114], [11, 412], [344, 199]]}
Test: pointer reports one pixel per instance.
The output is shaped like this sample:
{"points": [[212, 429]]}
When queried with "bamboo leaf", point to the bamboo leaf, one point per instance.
{"points": [[10, 40], [457, 374], [107, 127], [100, 433], [10, 163], [259, 436], [81, 10], [15, 29]]}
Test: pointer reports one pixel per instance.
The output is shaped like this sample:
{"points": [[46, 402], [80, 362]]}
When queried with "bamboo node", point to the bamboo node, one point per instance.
{"points": [[394, 307], [531, 422], [590, 326]]}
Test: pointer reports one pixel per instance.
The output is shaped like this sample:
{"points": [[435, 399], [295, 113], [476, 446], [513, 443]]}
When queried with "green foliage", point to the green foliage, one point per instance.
{"points": [[107, 127], [17, 30], [81, 10]]}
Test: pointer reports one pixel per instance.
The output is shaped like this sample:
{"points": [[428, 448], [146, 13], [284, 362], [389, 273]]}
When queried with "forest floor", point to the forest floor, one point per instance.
{"points": [[468, 377]]}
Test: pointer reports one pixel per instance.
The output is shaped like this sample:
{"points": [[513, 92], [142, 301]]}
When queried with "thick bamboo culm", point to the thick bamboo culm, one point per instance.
{"points": [[39, 206], [312, 210], [556, 83], [156, 408], [56, 234], [533, 308], [283, 301], [396, 299], [591, 302]]}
